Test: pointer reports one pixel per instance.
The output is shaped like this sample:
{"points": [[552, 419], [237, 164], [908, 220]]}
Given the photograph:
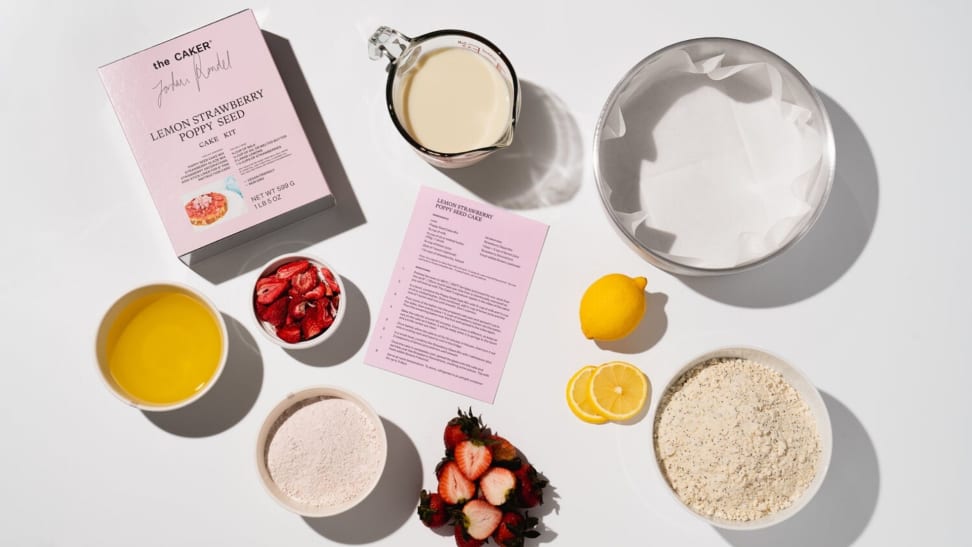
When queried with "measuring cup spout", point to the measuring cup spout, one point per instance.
{"points": [[383, 44]]}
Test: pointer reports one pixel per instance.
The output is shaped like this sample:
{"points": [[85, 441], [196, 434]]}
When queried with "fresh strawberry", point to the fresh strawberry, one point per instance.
{"points": [[297, 308], [316, 293], [498, 485], [432, 510], [480, 519], [513, 528], [461, 428], [305, 281], [454, 487], [289, 333], [331, 282], [275, 313], [502, 449], [530, 485], [473, 458], [291, 269], [464, 540], [270, 290], [438, 467], [335, 302]]}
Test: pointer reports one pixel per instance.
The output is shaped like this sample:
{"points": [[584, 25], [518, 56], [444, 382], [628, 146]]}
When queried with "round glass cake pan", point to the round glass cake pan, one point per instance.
{"points": [[712, 156]]}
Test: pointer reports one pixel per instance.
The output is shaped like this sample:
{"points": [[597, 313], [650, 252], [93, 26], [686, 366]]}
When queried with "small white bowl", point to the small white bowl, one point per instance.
{"points": [[263, 438], [807, 392], [269, 331], [116, 311]]}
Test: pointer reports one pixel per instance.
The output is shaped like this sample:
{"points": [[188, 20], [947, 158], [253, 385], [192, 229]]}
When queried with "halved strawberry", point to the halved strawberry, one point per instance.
{"points": [[454, 487], [275, 313], [498, 485], [297, 308], [270, 290], [513, 528], [463, 539], [473, 458], [432, 510], [440, 465], [289, 333], [305, 281], [480, 519], [329, 279], [291, 269]]}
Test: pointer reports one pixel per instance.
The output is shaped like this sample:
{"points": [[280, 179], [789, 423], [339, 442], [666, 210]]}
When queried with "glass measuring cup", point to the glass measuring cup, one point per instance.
{"points": [[406, 55]]}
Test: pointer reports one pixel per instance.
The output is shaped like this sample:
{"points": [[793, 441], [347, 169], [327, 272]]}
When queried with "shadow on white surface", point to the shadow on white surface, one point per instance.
{"points": [[650, 330], [343, 216], [390, 504], [543, 166], [350, 336], [551, 504], [230, 398], [843, 506], [831, 246]]}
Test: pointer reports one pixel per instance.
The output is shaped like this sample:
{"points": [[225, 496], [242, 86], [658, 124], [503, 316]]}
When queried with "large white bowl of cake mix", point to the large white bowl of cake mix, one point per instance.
{"points": [[742, 438], [713, 156]]}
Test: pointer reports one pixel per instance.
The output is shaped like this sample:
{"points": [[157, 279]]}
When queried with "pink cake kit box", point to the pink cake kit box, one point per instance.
{"points": [[216, 137]]}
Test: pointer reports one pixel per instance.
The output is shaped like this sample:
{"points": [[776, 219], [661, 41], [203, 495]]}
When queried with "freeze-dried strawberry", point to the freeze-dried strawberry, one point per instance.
{"points": [[315, 293], [264, 280], [289, 333], [331, 282], [291, 269], [275, 313], [269, 291], [305, 281], [316, 320], [328, 316], [297, 309]]}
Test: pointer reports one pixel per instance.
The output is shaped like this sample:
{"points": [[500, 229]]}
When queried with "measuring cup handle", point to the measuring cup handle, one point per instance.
{"points": [[382, 43]]}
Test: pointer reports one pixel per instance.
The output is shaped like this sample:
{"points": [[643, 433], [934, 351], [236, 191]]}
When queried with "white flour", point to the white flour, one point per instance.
{"points": [[735, 440], [324, 452]]}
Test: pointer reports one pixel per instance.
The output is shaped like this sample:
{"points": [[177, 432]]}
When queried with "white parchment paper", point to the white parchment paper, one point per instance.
{"points": [[722, 167]]}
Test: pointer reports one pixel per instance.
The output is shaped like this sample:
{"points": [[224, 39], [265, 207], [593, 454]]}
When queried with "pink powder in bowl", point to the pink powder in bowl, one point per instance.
{"points": [[323, 454]]}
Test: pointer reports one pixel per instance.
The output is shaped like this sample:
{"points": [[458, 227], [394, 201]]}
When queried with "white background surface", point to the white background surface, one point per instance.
{"points": [[873, 304]]}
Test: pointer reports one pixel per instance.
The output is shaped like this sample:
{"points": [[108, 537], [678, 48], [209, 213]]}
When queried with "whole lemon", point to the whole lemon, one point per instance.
{"points": [[612, 306]]}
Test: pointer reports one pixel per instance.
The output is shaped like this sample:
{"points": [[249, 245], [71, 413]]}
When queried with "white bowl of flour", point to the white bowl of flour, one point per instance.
{"points": [[321, 451], [742, 438]]}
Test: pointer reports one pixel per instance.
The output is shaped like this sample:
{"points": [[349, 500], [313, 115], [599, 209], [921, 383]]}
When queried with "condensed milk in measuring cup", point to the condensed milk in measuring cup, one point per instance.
{"points": [[452, 94]]}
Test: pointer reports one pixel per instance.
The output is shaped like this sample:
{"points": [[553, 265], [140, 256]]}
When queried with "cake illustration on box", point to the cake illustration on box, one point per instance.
{"points": [[206, 209]]}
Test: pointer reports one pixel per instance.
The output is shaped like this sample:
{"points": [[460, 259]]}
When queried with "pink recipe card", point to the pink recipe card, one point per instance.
{"points": [[456, 294]]}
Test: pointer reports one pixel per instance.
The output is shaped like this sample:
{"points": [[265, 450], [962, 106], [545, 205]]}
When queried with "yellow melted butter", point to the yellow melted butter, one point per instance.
{"points": [[164, 347]]}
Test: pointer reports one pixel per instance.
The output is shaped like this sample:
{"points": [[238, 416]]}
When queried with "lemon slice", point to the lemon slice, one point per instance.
{"points": [[579, 396], [618, 390]]}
